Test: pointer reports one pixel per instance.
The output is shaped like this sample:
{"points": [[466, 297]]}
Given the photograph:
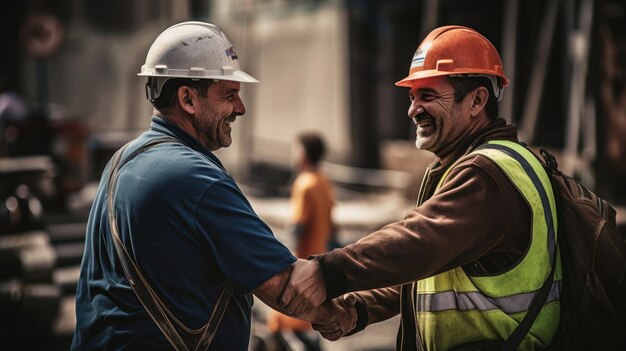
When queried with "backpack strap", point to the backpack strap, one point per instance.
{"points": [[539, 299], [178, 335]]}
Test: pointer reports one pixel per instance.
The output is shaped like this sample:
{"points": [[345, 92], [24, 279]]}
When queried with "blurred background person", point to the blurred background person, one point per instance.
{"points": [[311, 226]]}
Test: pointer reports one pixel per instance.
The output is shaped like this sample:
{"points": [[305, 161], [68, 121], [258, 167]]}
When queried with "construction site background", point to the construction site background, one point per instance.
{"points": [[70, 97]]}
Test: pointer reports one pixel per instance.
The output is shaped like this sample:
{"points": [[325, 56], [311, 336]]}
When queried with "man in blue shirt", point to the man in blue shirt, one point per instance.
{"points": [[180, 215]]}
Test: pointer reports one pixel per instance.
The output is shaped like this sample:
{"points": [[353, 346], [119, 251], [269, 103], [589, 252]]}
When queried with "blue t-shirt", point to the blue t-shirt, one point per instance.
{"points": [[189, 227]]}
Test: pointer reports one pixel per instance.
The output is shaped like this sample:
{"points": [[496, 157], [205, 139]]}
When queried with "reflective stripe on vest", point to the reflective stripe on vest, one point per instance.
{"points": [[453, 308], [474, 300]]}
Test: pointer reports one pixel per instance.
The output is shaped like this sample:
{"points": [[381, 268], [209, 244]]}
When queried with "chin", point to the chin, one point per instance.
{"points": [[422, 144], [225, 139]]}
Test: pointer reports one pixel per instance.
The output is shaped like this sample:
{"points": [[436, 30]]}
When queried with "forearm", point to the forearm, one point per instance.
{"points": [[270, 291], [380, 304], [384, 258], [373, 306], [281, 294]]}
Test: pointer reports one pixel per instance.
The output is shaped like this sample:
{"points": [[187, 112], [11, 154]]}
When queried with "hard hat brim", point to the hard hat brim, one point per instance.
{"points": [[407, 82], [236, 76]]}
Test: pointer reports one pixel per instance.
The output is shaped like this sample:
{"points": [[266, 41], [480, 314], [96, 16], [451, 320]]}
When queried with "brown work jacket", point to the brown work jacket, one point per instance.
{"points": [[477, 220]]}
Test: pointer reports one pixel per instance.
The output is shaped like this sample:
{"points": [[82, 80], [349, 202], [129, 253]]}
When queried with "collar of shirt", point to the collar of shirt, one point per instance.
{"points": [[160, 125]]}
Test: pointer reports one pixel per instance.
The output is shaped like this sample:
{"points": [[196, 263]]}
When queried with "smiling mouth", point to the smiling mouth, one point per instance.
{"points": [[230, 120], [423, 120]]}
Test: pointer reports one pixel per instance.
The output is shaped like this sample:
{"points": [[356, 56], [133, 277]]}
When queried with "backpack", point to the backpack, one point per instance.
{"points": [[593, 256], [593, 259]]}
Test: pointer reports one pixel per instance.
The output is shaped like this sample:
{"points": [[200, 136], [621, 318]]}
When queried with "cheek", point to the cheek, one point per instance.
{"points": [[438, 109], [215, 116], [224, 111]]}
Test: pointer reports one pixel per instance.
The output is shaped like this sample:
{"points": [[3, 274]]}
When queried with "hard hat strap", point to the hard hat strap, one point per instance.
{"points": [[154, 85], [497, 88], [153, 88]]}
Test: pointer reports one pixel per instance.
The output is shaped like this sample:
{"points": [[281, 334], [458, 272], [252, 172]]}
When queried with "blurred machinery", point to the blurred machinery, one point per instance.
{"points": [[43, 161], [29, 298]]}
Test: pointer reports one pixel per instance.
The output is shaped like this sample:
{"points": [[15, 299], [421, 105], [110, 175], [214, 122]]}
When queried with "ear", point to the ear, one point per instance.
{"points": [[185, 97], [479, 101]]}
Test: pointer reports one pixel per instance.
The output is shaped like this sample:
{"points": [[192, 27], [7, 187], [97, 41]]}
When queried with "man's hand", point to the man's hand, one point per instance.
{"points": [[305, 289], [336, 318]]}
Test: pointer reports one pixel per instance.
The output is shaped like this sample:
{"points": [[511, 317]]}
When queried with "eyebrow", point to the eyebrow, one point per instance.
{"points": [[229, 90], [424, 90]]}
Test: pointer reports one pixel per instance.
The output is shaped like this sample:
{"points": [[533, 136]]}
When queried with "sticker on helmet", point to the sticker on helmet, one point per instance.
{"points": [[420, 55], [230, 52]]}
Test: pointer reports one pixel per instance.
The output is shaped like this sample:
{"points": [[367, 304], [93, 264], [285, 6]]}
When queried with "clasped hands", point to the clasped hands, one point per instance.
{"points": [[304, 297]]}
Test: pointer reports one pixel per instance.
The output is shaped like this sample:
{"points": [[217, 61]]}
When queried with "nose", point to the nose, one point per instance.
{"points": [[415, 109], [238, 107]]}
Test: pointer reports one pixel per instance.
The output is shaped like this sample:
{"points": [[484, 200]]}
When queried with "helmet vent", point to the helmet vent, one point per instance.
{"points": [[445, 65]]}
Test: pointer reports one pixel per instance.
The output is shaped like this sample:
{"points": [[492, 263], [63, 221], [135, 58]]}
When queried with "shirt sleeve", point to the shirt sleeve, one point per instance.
{"points": [[463, 221], [244, 247], [381, 304]]}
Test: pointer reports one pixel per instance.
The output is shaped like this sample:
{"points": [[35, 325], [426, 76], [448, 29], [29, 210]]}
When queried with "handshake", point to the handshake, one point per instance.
{"points": [[304, 297]]}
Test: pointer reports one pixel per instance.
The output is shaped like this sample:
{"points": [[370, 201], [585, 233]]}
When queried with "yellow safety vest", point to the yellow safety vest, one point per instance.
{"points": [[453, 308]]}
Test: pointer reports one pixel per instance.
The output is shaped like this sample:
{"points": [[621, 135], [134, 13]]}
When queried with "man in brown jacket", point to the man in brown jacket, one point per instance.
{"points": [[472, 220]]}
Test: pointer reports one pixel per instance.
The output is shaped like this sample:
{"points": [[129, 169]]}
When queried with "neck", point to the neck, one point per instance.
{"points": [[184, 122], [306, 166], [451, 151]]}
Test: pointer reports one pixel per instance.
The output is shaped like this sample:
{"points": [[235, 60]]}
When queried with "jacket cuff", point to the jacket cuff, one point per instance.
{"points": [[361, 318], [333, 277]]}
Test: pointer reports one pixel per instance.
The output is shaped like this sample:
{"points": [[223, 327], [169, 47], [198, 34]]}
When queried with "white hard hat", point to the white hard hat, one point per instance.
{"points": [[194, 50]]}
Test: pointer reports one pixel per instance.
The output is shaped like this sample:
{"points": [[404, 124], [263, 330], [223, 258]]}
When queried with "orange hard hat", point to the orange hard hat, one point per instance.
{"points": [[456, 51]]}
